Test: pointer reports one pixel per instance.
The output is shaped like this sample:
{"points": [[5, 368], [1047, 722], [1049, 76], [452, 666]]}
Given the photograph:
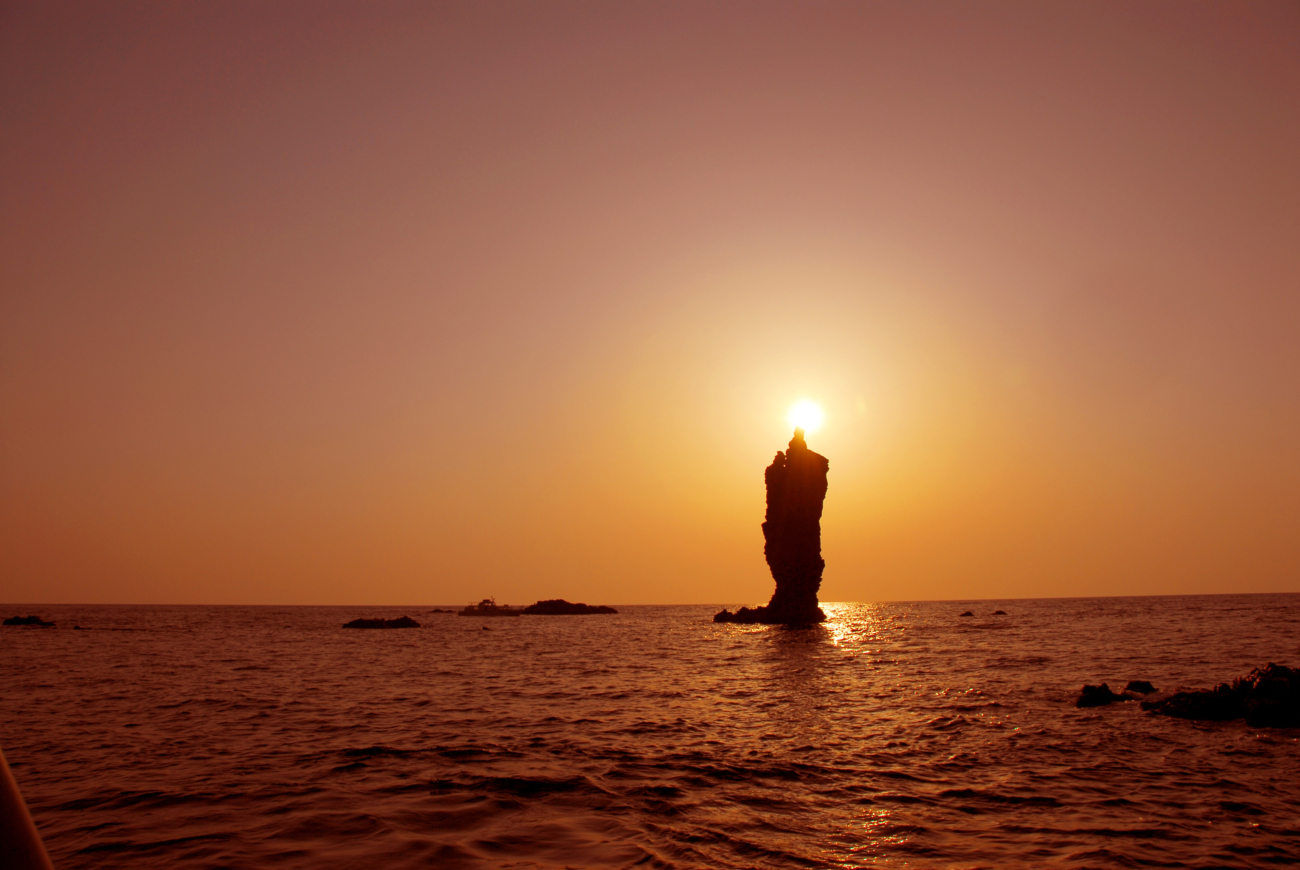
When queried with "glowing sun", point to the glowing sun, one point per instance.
{"points": [[806, 415]]}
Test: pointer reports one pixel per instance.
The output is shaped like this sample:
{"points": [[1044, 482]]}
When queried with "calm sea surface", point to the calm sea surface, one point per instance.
{"points": [[897, 735]]}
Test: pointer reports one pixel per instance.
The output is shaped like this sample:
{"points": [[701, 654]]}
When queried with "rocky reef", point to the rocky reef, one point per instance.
{"points": [[399, 622], [560, 607], [796, 488], [1267, 697], [28, 620]]}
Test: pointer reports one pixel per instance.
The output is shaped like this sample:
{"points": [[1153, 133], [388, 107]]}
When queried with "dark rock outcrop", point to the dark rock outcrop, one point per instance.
{"points": [[28, 620], [796, 488], [999, 613], [560, 607], [1141, 687], [1098, 696], [968, 613], [1267, 697], [400, 622]]}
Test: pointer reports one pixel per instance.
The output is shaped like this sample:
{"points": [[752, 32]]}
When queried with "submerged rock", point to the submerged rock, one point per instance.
{"points": [[1267, 697], [999, 613], [28, 620], [1142, 687], [400, 622], [792, 536], [968, 613], [560, 607]]}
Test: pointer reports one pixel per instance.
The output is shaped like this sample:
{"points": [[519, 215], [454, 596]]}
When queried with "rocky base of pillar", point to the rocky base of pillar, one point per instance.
{"points": [[769, 616]]}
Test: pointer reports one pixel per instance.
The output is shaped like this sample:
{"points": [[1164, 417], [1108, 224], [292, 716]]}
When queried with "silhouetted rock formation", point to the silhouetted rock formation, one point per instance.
{"points": [[1141, 687], [796, 488], [968, 613], [560, 607], [1267, 697], [440, 610], [400, 622], [999, 613], [28, 620]]}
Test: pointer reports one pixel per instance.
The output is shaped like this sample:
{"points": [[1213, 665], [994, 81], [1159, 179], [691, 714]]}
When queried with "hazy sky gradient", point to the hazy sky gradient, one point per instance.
{"points": [[412, 303]]}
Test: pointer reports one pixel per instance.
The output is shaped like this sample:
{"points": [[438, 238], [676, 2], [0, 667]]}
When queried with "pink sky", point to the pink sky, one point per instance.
{"points": [[411, 303]]}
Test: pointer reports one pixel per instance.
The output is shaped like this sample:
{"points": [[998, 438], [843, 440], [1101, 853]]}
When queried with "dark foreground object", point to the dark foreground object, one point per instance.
{"points": [[792, 534], [1267, 697], [560, 607], [28, 620], [20, 844], [400, 622]]}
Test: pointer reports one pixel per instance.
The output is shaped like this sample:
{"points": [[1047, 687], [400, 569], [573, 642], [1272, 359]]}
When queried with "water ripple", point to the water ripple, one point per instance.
{"points": [[896, 735]]}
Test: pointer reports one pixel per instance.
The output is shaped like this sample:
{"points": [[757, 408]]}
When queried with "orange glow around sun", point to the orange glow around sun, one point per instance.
{"points": [[806, 415]]}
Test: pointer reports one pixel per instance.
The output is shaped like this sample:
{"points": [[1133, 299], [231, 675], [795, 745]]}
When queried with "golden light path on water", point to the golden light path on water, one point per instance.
{"points": [[845, 621]]}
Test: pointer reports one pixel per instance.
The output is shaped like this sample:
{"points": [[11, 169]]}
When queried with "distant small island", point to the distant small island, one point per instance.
{"points": [[399, 622], [560, 607], [28, 620]]}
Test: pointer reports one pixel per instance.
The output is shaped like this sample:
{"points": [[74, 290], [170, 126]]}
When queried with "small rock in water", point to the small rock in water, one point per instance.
{"points": [[968, 613], [1101, 696], [400, 622], [1097, 696], [999, 613]]}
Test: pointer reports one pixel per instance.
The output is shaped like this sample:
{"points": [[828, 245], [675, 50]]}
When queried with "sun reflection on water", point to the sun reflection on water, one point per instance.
{"points": [[850, 624]]}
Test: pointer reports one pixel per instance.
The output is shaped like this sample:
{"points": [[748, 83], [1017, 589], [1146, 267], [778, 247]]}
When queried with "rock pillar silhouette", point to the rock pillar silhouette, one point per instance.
{"points": [[796, 488]]}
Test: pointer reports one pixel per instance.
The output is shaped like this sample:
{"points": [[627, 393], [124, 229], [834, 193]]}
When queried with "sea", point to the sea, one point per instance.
{"points": [[897, 735]]}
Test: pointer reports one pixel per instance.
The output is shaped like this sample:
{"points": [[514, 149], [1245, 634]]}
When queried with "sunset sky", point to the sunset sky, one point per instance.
{"points": [[385, 303]]}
